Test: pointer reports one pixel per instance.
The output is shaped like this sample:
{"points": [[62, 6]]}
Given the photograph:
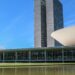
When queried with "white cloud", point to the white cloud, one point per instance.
{"points": [[2, 47]]}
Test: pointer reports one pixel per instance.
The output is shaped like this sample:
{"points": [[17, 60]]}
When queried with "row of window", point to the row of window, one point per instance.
{"points": [[36, 56]]}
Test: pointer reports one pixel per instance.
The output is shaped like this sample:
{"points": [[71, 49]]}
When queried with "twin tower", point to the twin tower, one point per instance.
{"points": [[48, 18]]}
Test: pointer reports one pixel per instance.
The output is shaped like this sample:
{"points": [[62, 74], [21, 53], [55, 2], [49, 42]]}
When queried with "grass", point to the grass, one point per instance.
{"points": [[8, 65]]}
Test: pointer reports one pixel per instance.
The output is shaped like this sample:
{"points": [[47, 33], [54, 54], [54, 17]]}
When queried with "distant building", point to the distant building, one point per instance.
{"points": [[48, 18]]}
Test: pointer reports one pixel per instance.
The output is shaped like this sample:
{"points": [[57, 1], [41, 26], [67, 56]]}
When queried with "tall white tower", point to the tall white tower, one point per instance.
{"points": [[48, 16]]}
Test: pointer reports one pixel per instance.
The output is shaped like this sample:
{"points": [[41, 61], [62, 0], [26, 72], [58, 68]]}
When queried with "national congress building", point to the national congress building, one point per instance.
{"points": [[48, 18]]}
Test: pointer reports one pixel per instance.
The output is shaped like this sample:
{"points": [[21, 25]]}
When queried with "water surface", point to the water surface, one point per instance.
{"points": [[39, 70]]}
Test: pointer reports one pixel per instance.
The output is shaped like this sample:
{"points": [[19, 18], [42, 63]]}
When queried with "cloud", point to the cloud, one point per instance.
{"points": [[69, 25], [2, 47], [70, 18], [70, 21]]}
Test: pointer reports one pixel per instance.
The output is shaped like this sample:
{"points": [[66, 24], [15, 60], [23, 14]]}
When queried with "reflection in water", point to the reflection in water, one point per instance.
{"points": [[39, 70]]}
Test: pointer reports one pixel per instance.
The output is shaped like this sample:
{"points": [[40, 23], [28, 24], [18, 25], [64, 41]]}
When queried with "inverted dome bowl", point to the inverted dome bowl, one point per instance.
{"points": [[65, 36]]}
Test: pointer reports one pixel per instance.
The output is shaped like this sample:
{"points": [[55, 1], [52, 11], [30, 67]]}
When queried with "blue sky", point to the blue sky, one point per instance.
{"points": [[17, 22]]}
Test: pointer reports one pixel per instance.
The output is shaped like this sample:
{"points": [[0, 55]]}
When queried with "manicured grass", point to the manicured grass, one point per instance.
{"points": [[33, 64]]}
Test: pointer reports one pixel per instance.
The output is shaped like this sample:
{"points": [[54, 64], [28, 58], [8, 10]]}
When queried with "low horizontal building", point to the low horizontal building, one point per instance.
{"points": [[37, 55]]}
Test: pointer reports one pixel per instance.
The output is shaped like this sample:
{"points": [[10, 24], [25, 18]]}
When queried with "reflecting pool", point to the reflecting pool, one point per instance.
{"points": [[39, 70]]}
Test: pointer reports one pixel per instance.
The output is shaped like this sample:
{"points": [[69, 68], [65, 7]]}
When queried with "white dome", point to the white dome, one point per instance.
{"points": [[65, 36]]}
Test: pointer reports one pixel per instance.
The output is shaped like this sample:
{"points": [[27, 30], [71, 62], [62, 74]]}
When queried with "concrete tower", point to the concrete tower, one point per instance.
{"points": [[48, 18]]}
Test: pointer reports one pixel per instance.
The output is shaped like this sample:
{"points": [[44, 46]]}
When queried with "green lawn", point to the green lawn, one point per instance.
{"points": [[33, 64]]}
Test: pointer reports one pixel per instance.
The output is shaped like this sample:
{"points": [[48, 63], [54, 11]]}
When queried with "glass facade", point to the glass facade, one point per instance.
{"points": [[39, 55], [43, 24], [1, 56], [8, 56], [22, 56], [48, 18], [58, 18]]}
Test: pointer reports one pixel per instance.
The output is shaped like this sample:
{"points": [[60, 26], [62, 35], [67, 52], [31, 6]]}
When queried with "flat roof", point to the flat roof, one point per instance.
{"points": [[32, 49]]}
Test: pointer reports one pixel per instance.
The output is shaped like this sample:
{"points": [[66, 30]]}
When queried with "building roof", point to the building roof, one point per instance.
{"points": [[65, 36], [39, 49]]}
